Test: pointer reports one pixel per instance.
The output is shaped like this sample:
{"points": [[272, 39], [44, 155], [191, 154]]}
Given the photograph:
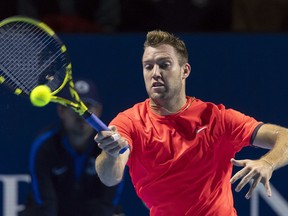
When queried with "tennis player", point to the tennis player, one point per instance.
{"points": [[182, 149]]}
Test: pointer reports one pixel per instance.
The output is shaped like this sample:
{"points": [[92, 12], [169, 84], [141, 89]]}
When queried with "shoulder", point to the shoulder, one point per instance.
{"points": [[204, 108], [135, 111], [219, 111], [201, 103]]}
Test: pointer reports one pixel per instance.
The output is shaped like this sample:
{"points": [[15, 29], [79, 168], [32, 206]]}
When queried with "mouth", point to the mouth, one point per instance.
{"points": [[157, 85]]}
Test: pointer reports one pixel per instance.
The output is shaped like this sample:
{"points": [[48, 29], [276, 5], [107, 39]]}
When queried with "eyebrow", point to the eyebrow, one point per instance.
{"points": [[157, 59]]}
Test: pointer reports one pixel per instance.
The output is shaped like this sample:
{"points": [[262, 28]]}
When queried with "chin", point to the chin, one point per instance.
{"points": [[158, 96]]}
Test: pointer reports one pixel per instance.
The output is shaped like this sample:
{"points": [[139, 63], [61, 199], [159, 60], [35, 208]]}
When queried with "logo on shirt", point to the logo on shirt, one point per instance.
{"points": [[201, 129], [59, 170]]}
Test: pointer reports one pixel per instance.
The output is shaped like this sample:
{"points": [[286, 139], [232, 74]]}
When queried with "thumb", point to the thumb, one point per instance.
{"points": [[239, 163], [113, 128]]}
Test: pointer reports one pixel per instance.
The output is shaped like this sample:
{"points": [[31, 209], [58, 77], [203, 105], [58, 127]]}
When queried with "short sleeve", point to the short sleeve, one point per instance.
{"points": [[239, 128]]}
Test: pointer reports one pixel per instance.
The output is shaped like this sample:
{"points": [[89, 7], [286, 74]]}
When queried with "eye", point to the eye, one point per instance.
{"points": [[165, 65], [148, 67]]}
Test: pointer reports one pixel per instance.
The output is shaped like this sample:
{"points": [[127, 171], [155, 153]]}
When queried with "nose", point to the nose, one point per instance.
{"points": [[156, 71]]}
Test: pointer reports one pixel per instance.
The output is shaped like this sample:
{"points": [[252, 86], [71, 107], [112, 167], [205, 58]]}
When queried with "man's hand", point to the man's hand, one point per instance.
{"points": [[256, 170], [110, 141]]}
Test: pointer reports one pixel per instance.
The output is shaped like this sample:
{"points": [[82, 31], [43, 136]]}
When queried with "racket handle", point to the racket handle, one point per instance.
{"points": [[98, 125], [94, 121], [123, 149]]}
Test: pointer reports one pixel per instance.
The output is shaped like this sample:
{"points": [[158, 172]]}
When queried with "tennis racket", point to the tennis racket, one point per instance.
{"points": [[32, 55]]}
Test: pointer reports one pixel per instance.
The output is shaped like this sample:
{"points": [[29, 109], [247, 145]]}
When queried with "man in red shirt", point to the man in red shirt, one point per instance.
{"points": [[181, 148]]}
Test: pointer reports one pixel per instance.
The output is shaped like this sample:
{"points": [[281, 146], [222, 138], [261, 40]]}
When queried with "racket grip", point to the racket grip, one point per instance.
{"points": [[123, 149], [95, 122], [98, 125]]}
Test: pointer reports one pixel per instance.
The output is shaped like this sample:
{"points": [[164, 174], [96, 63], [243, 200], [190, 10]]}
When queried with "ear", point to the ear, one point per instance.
{"points": [[186, 71]]}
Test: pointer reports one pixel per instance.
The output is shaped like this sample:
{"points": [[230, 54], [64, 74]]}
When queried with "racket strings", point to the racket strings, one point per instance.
{"points": [[29, 49], [13, 38], [20, 55], [29, 52]]}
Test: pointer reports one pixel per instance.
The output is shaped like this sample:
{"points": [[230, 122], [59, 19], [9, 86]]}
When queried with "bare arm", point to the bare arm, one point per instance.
{"points": [[275, 138], [270, 137], [110, 164]]}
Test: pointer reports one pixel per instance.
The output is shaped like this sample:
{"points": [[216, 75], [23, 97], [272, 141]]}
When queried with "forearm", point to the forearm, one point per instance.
{"points": [[278, 156], [268, 136], [110, 169]]}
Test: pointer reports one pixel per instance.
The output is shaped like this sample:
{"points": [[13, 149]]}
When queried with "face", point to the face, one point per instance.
{"points": [[164, 77]]}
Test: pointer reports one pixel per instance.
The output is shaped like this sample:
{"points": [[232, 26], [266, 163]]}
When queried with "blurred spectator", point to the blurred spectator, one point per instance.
{"points": [[74, 15], [176, 15], [62, 165], [260, 15]]}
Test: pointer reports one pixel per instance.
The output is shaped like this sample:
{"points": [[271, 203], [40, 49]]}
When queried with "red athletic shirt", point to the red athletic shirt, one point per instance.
{"points": [[180, 163]]}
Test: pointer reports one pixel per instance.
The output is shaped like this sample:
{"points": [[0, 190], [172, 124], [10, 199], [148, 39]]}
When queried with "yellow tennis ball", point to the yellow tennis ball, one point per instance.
{"points": [[40, 95]]}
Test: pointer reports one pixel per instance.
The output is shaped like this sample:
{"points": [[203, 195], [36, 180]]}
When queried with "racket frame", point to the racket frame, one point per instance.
{"points": [[77, 105]]}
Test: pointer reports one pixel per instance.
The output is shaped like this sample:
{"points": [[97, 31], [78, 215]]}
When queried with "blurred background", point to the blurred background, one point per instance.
{"points": [[238, 53], [137, 16]]}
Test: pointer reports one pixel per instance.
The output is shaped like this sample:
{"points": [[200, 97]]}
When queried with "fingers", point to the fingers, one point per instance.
{"points": [[108, 136], [240, 174], [246, 176], [113, 128], [253, 170], [244, 181], [253, 186], [239, 163], [116, 136], [268, 188], [110, 141]]}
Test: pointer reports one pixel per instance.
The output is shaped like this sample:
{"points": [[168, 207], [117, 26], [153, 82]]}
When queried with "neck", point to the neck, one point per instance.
{"points": [[172, 107]]}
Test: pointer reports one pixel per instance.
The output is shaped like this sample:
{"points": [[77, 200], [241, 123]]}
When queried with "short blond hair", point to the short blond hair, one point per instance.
{"points": [[157, 37]]}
